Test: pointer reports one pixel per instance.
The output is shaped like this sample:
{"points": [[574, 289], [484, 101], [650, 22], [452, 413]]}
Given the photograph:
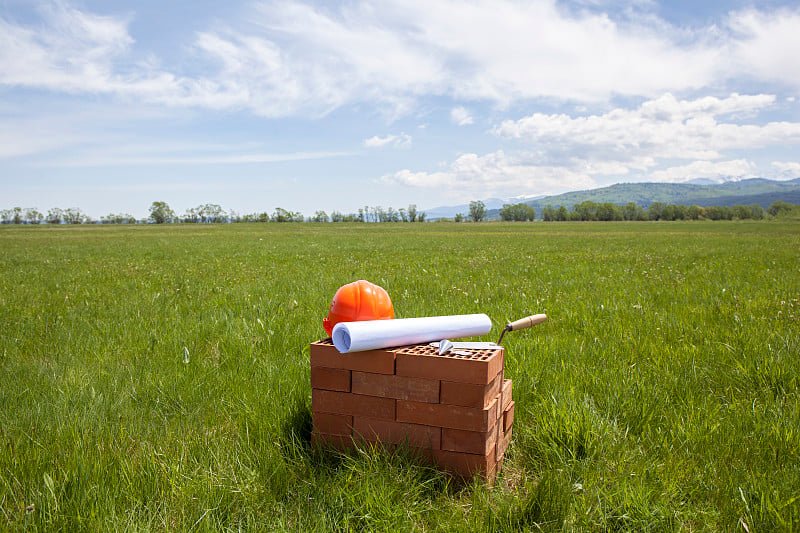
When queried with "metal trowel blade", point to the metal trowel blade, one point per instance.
{"points": [[464, 346]]}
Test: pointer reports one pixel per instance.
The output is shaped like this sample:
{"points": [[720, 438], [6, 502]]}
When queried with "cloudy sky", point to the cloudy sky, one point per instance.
{"points": [[108, 105]]}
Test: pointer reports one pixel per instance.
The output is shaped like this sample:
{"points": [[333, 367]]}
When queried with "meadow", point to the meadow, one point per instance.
{"points": [[156, 378]]}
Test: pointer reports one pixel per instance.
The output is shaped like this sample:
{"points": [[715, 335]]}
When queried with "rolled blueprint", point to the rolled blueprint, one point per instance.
{"points": [[377, 334]]}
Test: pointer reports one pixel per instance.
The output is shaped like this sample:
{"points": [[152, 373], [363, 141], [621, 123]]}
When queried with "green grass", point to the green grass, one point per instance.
{"points": [[157, 377]]}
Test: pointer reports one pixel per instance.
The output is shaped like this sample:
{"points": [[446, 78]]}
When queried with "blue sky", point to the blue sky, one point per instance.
{"points": [[108, 106]]}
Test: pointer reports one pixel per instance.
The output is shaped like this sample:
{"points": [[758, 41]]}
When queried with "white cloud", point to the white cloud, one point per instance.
{"points": [[77, 52], [787, 169], [461, 116], [765, 45], [494, 174], [288, 58], [738, 169], [398, 141], [787, 165], [658, 129]]}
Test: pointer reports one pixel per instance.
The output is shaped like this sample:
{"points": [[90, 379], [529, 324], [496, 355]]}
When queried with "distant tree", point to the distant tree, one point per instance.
{"points": [[695, 212], [12, 216], [403, 214], [421, 216], [631, 211], [655, 210], [459, 217], [336, 216], [668, 212], [715, 212], [756, 212], [32, 216], [283, 215], [160, 212], [780, 209], [517, 212], [74, 215], [608, 212], [586, 210], [191, 216], [211, 213], [777, 208], [412, 212], [741, 212], [320, 216], [477, 210], [54, 216], [562, 215], [548, 213], [121, 218]]}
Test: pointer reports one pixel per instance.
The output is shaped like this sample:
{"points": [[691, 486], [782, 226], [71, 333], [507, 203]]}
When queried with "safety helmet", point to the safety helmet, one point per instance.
{"points": [[360, 300]]}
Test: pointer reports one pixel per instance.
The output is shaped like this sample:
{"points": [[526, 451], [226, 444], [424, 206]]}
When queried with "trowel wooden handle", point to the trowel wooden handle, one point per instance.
{"points": [[527, 322]]}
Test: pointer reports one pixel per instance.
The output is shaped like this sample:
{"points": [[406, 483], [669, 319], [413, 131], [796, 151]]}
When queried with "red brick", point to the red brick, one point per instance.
{"points": [[324, 353], [465, 464], [388, 431], [508, 417], [400, 387], [469, 394], [344, 403], [450, 416], [330, 378], [506, 393], [423, 361], [503, 440], [331, 424], [477, 442]]}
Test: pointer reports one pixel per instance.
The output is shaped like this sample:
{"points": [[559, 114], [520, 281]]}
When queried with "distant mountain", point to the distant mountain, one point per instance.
{"points": [[728, 193], [745, 192]]}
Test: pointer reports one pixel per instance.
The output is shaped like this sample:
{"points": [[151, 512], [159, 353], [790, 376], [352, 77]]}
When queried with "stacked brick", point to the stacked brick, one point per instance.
{"points": [[455, 409]]}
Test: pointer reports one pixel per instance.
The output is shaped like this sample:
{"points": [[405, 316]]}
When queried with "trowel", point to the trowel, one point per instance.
{"points": [[446, 346]]}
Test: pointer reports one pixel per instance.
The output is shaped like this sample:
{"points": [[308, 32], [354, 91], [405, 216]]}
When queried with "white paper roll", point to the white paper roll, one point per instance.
{"points": [[377, 334]]}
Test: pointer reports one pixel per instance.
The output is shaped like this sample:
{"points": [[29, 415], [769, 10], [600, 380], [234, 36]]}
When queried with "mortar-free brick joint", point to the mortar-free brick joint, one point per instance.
{"points": [[455, 409]]}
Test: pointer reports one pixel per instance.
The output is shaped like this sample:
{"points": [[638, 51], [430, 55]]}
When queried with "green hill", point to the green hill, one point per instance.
{"points": [[746, 192]]}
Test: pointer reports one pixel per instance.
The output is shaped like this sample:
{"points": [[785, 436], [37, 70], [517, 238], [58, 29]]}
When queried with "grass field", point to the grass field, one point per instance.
{"points": [[157, 377]]}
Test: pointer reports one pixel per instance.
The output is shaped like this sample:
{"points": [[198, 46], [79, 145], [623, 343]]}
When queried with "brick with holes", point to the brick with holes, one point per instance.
{"points": [[479, 367]]}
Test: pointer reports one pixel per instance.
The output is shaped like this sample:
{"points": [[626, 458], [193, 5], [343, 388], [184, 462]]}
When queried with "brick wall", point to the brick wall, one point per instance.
{"points": [[455, 409]]}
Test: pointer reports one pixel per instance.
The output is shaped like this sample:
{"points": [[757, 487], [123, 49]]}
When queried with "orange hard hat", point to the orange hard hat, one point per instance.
{"points": [[360, 300]]}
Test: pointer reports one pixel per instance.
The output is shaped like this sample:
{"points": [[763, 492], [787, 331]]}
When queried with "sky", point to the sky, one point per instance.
{"points": [[109, 106]]}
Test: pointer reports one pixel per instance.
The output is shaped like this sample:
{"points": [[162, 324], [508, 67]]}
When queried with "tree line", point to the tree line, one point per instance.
{"points": [[592, 211], [509, 212], [607, 211], [161, 213]]}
